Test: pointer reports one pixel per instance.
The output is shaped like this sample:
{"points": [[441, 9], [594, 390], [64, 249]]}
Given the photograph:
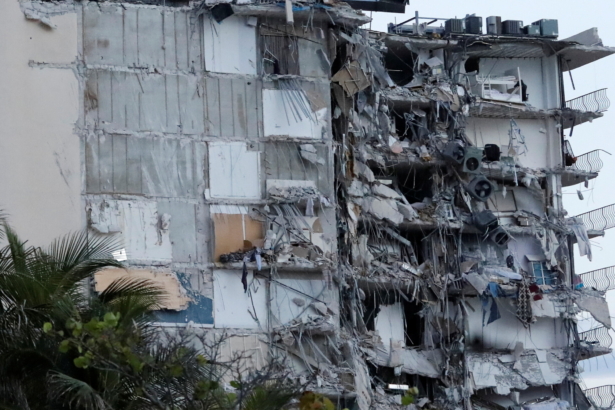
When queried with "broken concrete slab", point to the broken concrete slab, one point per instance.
{"points": [[597, 306], [385, 192], [383, 209]]}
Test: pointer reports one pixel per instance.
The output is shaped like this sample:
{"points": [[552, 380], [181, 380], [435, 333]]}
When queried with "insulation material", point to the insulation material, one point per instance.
{"points": [[149, 37], [235, 230], [234, 308], [294, 298], [130, 165], [234, 172], [175, 297], [145, 102], [145, 232], [313, 60], [390, 323], [285, 161], [233, 107], [232, 33], [289, 113], [187, 236]]}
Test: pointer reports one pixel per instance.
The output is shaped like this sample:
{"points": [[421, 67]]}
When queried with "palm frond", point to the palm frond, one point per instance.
{"points": [[17, 252], [74, 393], [135, 299], [3, 223]]}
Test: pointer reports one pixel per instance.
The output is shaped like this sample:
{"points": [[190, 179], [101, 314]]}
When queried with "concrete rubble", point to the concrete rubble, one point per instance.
{"points": [[382, 208]]}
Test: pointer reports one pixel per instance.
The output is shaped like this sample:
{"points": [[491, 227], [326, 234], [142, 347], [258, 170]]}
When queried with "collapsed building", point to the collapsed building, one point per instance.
{"points": [[382, 210]]}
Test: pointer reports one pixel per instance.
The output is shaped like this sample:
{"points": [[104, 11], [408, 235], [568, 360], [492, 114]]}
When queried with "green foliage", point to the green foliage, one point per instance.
{"points": [[314, 401], [61, 348], [409, 397]]}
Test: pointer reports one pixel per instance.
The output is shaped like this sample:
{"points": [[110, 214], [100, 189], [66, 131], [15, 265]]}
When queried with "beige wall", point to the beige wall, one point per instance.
{"points": [[40, 171]]}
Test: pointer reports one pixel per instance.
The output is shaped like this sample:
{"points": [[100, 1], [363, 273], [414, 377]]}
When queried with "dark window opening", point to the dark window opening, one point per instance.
{"points": [[411, 124], [400, 63], [414, 324], [416, 185], [472, 64]]}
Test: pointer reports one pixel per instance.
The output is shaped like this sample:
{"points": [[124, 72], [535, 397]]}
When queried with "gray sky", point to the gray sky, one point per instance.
{"points": [[574, 16]]}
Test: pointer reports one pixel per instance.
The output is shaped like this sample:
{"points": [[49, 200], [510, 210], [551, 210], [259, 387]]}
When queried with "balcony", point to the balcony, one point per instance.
{"points": [[585, 108], [599, 279], [602, 397], [598, 220], [595, 342], [583, 167], [596, 101]]}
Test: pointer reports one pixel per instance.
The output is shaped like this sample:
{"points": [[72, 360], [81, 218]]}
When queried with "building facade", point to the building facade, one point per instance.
{"points": [[380, 210]]}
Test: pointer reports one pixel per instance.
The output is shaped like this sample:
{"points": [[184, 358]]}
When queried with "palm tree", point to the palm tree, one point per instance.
{"points": [[64, 347]]}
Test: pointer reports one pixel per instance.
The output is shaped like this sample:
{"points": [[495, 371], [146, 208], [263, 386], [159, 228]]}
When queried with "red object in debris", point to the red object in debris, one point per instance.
{"points": [[538, 296]]}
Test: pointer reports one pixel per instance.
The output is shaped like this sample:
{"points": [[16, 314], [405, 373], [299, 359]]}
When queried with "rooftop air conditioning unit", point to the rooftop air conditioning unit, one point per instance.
{"points": [[532, 30], [494, 25], [474, 25], [480, 188], [453, 26], [512, 27], [548, 27]]}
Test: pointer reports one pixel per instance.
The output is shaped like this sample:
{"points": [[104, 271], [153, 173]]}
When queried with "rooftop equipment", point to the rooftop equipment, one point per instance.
{"points": [[548, 27], [474, 24], [512, 27], [453, 26], [494, 25]]}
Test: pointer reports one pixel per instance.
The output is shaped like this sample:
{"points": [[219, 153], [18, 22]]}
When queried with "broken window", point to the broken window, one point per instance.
{"points": [[542, 274]]}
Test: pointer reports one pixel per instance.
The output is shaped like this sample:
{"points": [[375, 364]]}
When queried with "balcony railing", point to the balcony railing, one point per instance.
{"points": [[599, 219], [589, 162], [600, 279], [602, 397], [596, 101], [598, 336]]}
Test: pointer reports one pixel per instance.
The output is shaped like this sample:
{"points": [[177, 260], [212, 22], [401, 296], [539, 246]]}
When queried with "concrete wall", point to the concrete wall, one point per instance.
{"points": [[40, 166]]}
